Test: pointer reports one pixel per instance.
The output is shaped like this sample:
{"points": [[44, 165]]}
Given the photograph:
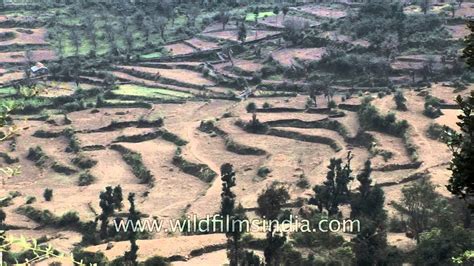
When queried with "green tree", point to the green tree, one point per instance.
{"points": [[419, 203], [228, 211], [130, 257], [400, 101], [75, 39], [276, 11], [242, 33], [461, 182], [334, 190], [440, 246], [224, 18], [367, 206], [48, 194], [270, 204], [468, 52], [251, 107], [110, 200]]}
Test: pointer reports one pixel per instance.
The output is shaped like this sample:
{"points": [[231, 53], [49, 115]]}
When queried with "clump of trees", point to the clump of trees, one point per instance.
{"points": [[371, 119]]}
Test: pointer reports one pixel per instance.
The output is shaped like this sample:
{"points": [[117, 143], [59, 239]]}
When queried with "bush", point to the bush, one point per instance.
{"points": [[62, 169], [84, 162], [435, 131], [266, 105], [48, 194], [332, 104], [74, 144], [134, 160], [263, 171], [156, 261], [400, 101], [251, 107], [432, 107], [30, 200], [90, 258], [396, 225], [201, 171], [302, 182], [37, 155], [86, 179], [68, 219]]}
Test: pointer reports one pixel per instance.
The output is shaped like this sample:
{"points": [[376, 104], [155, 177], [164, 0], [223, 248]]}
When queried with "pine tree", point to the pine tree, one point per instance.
{"points": [[461, 182], [242, 34], [131, 256], [270, 204], [468, 52], [228, 211], [227, 196], [367, 205], [334, 190], [110, 199], [117, 198]]}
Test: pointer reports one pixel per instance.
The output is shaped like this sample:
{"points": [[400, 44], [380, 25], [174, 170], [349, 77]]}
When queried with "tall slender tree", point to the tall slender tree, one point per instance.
{"points": [[131, 256], [270, 204], [334, 190]]}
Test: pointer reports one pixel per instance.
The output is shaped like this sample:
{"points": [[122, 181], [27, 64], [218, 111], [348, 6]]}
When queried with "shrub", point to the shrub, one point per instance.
{"points": [[86, 179], [48, 194], [437, 131], [74, 145], [266, 105], [400, 101], [156, 261], [68, 219], [432, 107], [84, 162], [251, 107], [134, 160], [30, 200], [62, 169], [302, 182], [332, 104], [397, 225], [263, 171], [201, 171], [90, 258], [37, 155]]}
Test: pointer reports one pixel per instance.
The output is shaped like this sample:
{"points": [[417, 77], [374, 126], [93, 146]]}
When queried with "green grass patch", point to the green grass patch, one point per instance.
{"points": [[142, 91], [152, 55], [7, 91], [251, 16]]}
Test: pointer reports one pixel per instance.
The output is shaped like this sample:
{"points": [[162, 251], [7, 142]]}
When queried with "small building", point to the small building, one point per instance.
{"points": [[39, 69]]}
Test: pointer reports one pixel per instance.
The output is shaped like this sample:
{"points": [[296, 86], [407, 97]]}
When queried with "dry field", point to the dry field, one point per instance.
{"points": [[10, 77], [181, 75], [24, 36], [322, 11], [202, 44], [19, 57], [286, 56], [252, 35], [179, 49], [278, 21]]}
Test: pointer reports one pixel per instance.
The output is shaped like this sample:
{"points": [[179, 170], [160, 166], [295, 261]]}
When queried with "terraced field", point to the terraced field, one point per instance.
{"points": [[168, 120]]}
